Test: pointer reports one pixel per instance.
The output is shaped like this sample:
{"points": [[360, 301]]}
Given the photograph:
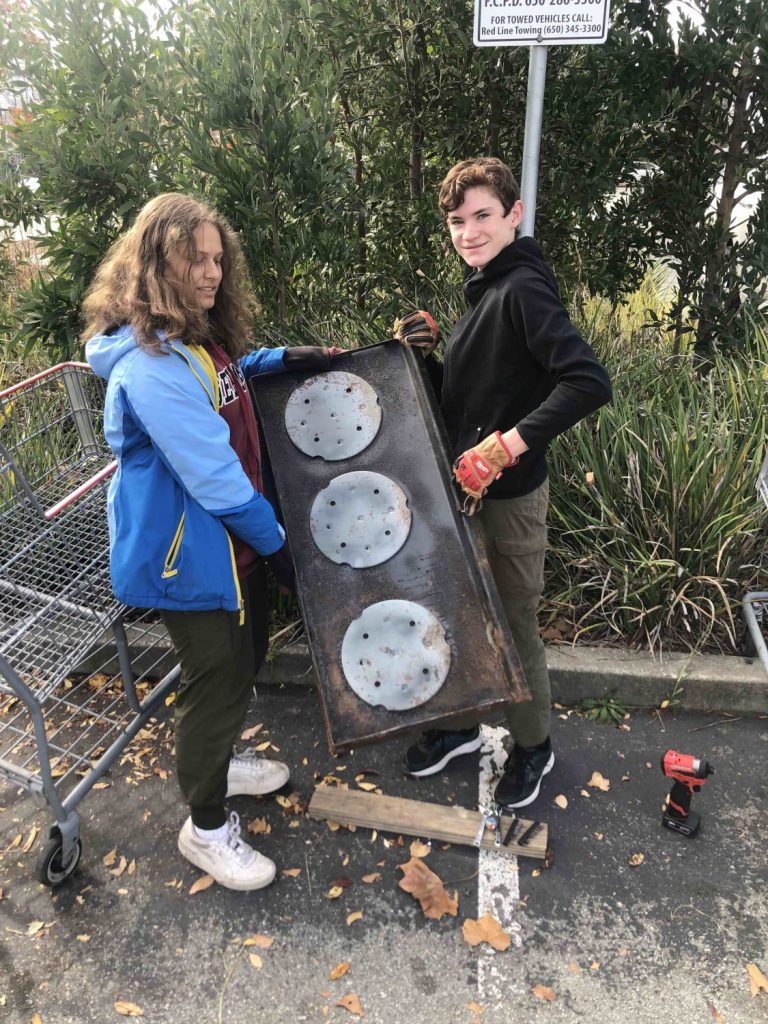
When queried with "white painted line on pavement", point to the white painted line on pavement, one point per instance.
{"points": [[498, 882]]}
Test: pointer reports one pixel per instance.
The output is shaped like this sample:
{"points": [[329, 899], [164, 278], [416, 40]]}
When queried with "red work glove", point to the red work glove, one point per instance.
{"points": [[477, 468], [418, 330]]}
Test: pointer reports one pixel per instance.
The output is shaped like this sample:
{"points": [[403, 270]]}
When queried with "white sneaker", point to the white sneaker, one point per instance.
{"points": [[250, 775], [233, 863]]}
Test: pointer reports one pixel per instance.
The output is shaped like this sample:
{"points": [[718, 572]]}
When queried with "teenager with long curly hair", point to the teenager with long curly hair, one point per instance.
{"points": [[169, 321]]}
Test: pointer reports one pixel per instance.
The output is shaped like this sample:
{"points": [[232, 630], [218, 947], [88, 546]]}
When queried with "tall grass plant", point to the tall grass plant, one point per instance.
{"points": [[655, 526]]}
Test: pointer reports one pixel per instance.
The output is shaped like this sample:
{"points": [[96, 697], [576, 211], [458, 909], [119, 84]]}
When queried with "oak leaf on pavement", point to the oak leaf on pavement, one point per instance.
{"points": [[486, 929], [352, 1003], [599, 782], [757, 980], [427, 887], [544, 993], [126, 1009]]}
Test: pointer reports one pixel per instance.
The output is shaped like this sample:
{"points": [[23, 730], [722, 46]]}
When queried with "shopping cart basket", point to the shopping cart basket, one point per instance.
{"points": [[73, 690], [754, 603]]}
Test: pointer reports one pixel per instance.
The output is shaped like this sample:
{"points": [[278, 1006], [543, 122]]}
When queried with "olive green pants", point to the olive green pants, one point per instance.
{"points": [[516, 536], [219, 659], [516, 531]]}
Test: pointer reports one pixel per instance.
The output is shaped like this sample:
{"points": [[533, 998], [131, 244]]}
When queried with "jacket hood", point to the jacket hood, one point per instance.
{"points": [[523, 252], [103, 351]]}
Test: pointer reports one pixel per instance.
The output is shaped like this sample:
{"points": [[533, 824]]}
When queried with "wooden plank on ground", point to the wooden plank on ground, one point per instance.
{"points": [[417, 818]]}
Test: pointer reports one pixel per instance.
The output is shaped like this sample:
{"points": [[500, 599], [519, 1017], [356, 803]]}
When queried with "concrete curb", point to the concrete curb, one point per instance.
{"points": [[702, 682]]}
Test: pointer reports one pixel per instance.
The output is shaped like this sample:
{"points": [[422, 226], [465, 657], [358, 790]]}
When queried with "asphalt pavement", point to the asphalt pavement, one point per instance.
{"points": [[593, 937]]}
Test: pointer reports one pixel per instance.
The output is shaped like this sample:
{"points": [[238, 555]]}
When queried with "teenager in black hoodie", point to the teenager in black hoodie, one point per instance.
{"points": [[516, 374]]}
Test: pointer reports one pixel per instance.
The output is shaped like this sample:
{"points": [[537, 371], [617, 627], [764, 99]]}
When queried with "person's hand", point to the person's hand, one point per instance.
{"points": [[477, 468], [281, 564], [309, 357], [417, 329]]}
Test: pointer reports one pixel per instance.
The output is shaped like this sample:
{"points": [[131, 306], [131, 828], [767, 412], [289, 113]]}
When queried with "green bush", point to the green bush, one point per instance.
{"points": [[655, 526]]}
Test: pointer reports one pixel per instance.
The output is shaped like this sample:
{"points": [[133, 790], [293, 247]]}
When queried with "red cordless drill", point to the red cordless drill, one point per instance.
{"points": [[690, 773]]}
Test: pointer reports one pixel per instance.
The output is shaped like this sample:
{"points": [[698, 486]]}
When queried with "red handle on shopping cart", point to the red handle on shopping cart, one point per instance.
{"points": [[78, 492], [102, 474], [41, 376]]}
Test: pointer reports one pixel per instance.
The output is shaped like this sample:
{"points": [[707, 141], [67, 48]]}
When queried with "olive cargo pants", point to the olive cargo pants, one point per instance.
{"points": [[516, 532], [516, 536], [219, 660]]}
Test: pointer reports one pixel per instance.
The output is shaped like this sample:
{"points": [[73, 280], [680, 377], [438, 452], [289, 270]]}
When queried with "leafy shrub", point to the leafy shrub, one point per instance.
{"points": [[655, 526]]}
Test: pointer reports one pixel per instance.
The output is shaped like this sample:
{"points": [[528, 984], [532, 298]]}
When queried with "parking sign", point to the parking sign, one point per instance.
{"points": [[540, 22]]}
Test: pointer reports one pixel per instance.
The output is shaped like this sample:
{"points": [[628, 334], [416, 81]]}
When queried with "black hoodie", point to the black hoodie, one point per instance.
{"points": [[515, 359]]}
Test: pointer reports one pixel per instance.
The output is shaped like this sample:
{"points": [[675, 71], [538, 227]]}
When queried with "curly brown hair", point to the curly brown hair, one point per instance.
{"points": [[134, 284], [482, 172]]}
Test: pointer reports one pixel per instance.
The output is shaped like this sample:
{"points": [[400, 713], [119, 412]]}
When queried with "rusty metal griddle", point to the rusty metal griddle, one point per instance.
{"points": [[404, 624]]}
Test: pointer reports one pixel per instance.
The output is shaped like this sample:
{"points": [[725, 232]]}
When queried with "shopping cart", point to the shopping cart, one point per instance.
{"points": [[754, 603], [75, 664]]}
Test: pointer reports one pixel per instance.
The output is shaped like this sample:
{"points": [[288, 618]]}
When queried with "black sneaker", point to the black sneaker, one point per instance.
{"points": [[523, 772], [439, 746]]}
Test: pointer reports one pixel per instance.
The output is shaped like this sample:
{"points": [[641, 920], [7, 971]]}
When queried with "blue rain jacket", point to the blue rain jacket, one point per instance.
{"points": [[179, 489]]}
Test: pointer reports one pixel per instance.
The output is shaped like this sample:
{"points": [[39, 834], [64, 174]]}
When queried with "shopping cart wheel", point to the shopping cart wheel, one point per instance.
{"points": [[50, 868]]}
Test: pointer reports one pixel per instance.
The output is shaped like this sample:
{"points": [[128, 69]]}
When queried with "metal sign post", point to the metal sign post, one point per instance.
{"points": [[538, 24]]}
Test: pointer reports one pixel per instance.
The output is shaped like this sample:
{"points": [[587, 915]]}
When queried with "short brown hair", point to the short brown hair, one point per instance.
{"points": [[134, 285], [482, 172]]}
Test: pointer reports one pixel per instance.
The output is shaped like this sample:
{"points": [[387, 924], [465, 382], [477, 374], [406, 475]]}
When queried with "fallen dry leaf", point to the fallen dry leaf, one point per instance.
{"points": [[599, 782], [757, 980], [339, 970], [595, 966], [334, 892], [117, 872], [717, 1016], [475, 1007], [256, 961], [425, 886], [259, 827], [30, 840], [34, 927], [291, 872], [36, 1018], [419, 849], [367, 786], [561, 801], [261, 941], [544, 993], [83, 938], [352, 1003], [373, 877], [636, 860], [486, 929], [109, 859], [203, 882], [357, 915], [248, 734], [262, 746], [126, 1009]]}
